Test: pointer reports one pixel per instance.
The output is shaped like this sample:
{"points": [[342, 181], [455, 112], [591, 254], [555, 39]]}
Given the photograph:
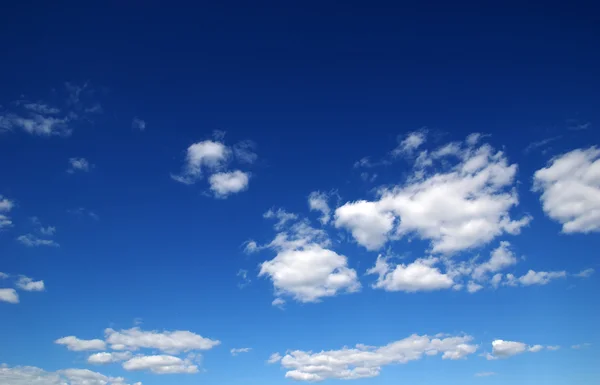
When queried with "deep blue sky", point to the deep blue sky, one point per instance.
{"points": [[315, 87]]}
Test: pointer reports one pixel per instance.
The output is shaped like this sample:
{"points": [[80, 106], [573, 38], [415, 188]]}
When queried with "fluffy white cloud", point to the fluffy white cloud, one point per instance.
{"points": [[77, 345], [224, 184], [161, 364], [6, 205], [167, 341], [420, 275], [236, 351], [31, 240], [367, 361], [505, 349], [570, 188], [29, 375], [108, 357], [78, 164], [501, 258], [28, 284], [9, 295], [540, 277], [304, 267], [464, 207], [318, 201], [207, 154], [138, 124]]}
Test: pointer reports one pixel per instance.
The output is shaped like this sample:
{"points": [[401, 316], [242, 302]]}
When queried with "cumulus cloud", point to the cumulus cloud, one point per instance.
{"points": [[223, 184], [304, 267], [108, 357], [29, 375], [28, 284], [420, 275], [77, 345], [501, 258], [367, 361], [161, 364], [540, 277], [9, 295], [205, 155], [6, 205], [570, 190], [318, 201], [138, 124], [464, 207], [171, 342], [78, 164], [31, 240], [505, 349], [236, 351]]}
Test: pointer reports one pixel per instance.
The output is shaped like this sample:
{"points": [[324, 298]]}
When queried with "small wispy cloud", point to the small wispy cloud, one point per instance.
{"points": [[236, 351], [31, 240], [540, 143], [81, 211], [78, 164], [138, 124], [485, 374]]}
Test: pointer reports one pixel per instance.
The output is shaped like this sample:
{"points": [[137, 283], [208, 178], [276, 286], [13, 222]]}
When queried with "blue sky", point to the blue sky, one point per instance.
{"points": [[235, 194]]}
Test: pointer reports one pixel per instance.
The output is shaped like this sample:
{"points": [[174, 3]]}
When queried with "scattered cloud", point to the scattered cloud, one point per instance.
{"points": [[138, 124], [78, 164], [541, 143], [304, 267], [410, 142], [29, 375], [9, 295], [581, 346], [236, 351], [585, 273], [540, 277], [570, 190], [465, 207], [161, 364], [48, 230], [6, 205], [244, 151], [367, 361], [108, 357], [171, 342], [274, 358], [282, 216], [318, 201], [201, 156], [420, 275], [77, 345], [31, 240], [80, 211], [243, 275], [505, 349], [223, 184], [553, 348], [278, 302], [28, 284], [501, 258]]}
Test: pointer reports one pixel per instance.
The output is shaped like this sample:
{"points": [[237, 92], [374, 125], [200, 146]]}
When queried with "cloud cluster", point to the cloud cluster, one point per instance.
{"points": [[506, 349], [305, 267], [570, 190], [29, 375], [6, 205], [367, 361], [458, 209], [213, 157], [24, 283]]}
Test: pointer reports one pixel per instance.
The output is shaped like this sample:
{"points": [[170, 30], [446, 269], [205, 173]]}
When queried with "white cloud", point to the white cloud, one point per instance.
{"points": [[236, 351], [77, 345], [485, 374], [78, 164], [108, 357], [224, 184], [282, 216], [41, 108], [161, 364], [541, 143], [138, 124], [167, 341], [9, 295], [581, 346], [29, 375], [367, 361], [243, 274], [553, 348], [473, 287], [420, 275], [28, 284], [3, 275], [465, 207], [585, 273], [274, 358], [411, 142], [244, 152], [31, 240], [304, 267], [505, 349], [570, 188], [278, 302], [6, 205], [48, 230], [540, 277], [501, 258], [318, 201], [36, 124], [208, 155]]}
